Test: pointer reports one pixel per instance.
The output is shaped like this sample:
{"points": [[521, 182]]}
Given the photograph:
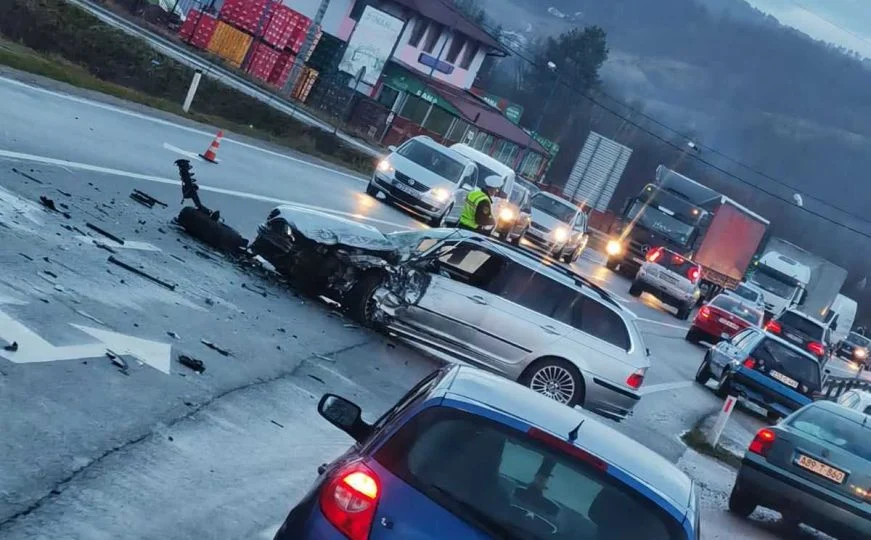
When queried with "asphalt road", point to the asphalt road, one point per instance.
{"points": [[156, 450]]}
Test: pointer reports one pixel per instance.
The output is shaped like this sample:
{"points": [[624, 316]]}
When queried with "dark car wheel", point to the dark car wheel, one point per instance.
{"points": [[725, 387], [683, 312], [740, 503], [703, 374], [693, 335], [371, 190], [557, 379], [611, 265], [636, 289], [516, 241], [203, 227], [359, 302]]}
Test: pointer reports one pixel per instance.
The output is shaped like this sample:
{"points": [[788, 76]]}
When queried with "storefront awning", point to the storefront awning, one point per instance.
{"points": [[401, 79]]}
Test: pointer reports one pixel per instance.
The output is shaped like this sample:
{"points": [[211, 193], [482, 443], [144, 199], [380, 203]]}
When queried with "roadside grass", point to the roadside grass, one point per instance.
{"points": [[695, 438]]}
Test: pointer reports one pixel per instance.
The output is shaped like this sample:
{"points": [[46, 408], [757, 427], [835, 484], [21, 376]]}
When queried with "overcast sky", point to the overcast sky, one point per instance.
{"points": [[843, 22]]}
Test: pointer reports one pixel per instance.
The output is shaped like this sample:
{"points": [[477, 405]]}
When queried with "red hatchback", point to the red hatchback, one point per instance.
{"points": [[722, 318]]}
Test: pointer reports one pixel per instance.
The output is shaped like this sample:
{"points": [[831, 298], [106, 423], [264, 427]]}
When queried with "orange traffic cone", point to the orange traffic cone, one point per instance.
{"points": [[211, 153]]}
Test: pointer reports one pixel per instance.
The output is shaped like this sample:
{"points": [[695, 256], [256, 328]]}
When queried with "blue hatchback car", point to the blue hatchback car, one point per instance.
{"points": [[470, 455]]}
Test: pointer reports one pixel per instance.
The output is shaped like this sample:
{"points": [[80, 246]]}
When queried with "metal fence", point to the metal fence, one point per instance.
{"points": [[834, 387]]}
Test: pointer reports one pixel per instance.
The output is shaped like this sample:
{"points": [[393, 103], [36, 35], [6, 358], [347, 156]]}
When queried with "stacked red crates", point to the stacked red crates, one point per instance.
{"points": [[263, 60], [198, 28], [277, 30], [281, 69], [245, 15], [300, 24]]}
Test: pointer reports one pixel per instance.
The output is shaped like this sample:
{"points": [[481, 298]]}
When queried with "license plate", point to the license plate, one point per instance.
{"points": [[639, 261], [814, 466], [792, 383], [403, 188], [728, 324], [793, 338], [669, 278]]}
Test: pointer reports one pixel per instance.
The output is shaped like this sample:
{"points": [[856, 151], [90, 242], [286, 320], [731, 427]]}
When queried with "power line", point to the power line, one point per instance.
{"points": [[717, 168]]}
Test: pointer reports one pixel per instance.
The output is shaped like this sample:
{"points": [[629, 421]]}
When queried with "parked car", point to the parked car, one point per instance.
{"points": [[467, 455], [814, 467], [858, 400], [558, 227], [509, 311], [749, 293], [854, 349], [513, 219], [764, 369], [803, 330], [722, 318], [670, 277], [424, 177]]}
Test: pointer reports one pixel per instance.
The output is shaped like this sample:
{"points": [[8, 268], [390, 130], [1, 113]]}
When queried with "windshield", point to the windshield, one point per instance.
{"points": [[432, 159], [773, 282], [746, 293], [856, 339], [830, 428], [518, 195], [512, 486], [787, 361], [738, 309], [561, 210], [806, 328], [656, 220]]}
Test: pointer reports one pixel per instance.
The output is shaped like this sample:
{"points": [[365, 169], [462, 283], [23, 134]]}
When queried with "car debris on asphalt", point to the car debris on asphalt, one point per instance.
{"points": [[112, 259], [215, 348], [191, 363], [105, 233], [12, 347]]}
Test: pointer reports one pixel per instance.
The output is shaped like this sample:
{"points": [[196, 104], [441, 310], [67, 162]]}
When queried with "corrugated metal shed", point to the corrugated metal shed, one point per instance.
{"points": [[596, 173]]}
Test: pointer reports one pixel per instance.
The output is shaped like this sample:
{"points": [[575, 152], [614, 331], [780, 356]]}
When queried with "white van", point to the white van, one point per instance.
{"points": [[845, 310], [783, 282]]}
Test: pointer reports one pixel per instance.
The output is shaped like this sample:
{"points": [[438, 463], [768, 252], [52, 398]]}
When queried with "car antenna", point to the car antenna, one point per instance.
{"points": [[573, 434]]}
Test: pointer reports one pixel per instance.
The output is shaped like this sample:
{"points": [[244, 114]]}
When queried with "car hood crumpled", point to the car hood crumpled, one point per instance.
{"points": [[331, 230]]}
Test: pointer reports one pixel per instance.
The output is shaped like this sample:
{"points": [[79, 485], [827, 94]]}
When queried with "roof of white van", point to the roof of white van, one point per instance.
{"points": [[488, 161]]}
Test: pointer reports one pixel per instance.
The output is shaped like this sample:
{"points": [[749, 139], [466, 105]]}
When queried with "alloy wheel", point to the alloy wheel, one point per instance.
{"points": [[554, 382]]}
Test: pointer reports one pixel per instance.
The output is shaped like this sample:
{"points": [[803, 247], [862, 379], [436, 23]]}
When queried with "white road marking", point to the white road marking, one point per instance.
{"points": [[177, 150], [157, 179], [167, 123], [664, 387], [668, 325], [128, 244]]}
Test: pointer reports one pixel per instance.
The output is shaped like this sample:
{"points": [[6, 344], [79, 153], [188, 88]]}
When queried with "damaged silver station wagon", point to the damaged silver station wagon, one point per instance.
{"points": [[461, 296]]}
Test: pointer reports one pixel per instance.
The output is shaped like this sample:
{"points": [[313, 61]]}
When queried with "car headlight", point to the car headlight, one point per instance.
{"points": [[861, 353], [385, 166], [440, 194], [614, 248], [560, 234], [506, 214]]}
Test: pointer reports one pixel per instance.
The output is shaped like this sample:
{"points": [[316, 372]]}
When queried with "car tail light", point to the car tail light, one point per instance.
{"points": [[568, 448], [654, 255], [349, 500], [750, 363], [762, 442], [817, 348], [774, 327], [635, 380], [705, 313], [694, 274]]}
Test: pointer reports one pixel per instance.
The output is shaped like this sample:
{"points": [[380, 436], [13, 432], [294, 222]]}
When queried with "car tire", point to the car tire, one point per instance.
{"points": [[358, 302], [740, 503], [703, 374], [683, 312], [772, 416], [539, 373], [371, 190], [693, 335], [611, 265], [519, 237], [203, 227], [635, 289], [725, 386]]}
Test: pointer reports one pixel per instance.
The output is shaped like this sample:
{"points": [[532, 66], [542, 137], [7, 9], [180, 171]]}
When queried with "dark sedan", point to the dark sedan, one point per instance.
{"points": [[814, 468]]}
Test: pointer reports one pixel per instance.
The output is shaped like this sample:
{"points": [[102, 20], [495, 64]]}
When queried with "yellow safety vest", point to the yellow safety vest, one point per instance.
{"points": [[470, 209]]}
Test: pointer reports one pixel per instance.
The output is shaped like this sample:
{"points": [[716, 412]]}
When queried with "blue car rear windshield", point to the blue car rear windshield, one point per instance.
{"points": [[511, 486], [830, 428], [788, 361]]}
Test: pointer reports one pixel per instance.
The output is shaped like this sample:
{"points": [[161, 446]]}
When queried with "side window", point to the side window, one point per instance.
{"points": [[472, 264], [867, 410], [528, 288], [591, 317], [740, 339]]}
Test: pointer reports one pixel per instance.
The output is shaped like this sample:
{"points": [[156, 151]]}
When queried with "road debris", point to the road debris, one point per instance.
{"points": [[256, 289], [90, 317], [326, 358], [117, 360], [315, 377], [12, 347], [137, 271], [64, 193], [103, 246], [147, 197], [277, 424], [215, 348], [26, 256], [105, 233], [25, 175], [48, 203], [173, 335], [191, 363], [50, 273]]}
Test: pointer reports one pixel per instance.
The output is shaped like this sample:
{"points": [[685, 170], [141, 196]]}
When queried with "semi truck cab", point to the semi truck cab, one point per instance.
{"points": [[783, 282]]}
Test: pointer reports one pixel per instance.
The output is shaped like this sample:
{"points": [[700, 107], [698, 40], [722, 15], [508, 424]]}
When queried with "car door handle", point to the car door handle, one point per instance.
{"points": [[478, 299], [550, 329]]}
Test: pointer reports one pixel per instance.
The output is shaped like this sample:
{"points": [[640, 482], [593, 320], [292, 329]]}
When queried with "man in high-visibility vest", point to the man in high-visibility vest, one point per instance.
{"points": [[478, 212]]}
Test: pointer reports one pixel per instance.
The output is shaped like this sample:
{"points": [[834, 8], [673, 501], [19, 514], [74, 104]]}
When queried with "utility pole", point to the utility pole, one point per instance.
{"points": [[299, 61]]}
